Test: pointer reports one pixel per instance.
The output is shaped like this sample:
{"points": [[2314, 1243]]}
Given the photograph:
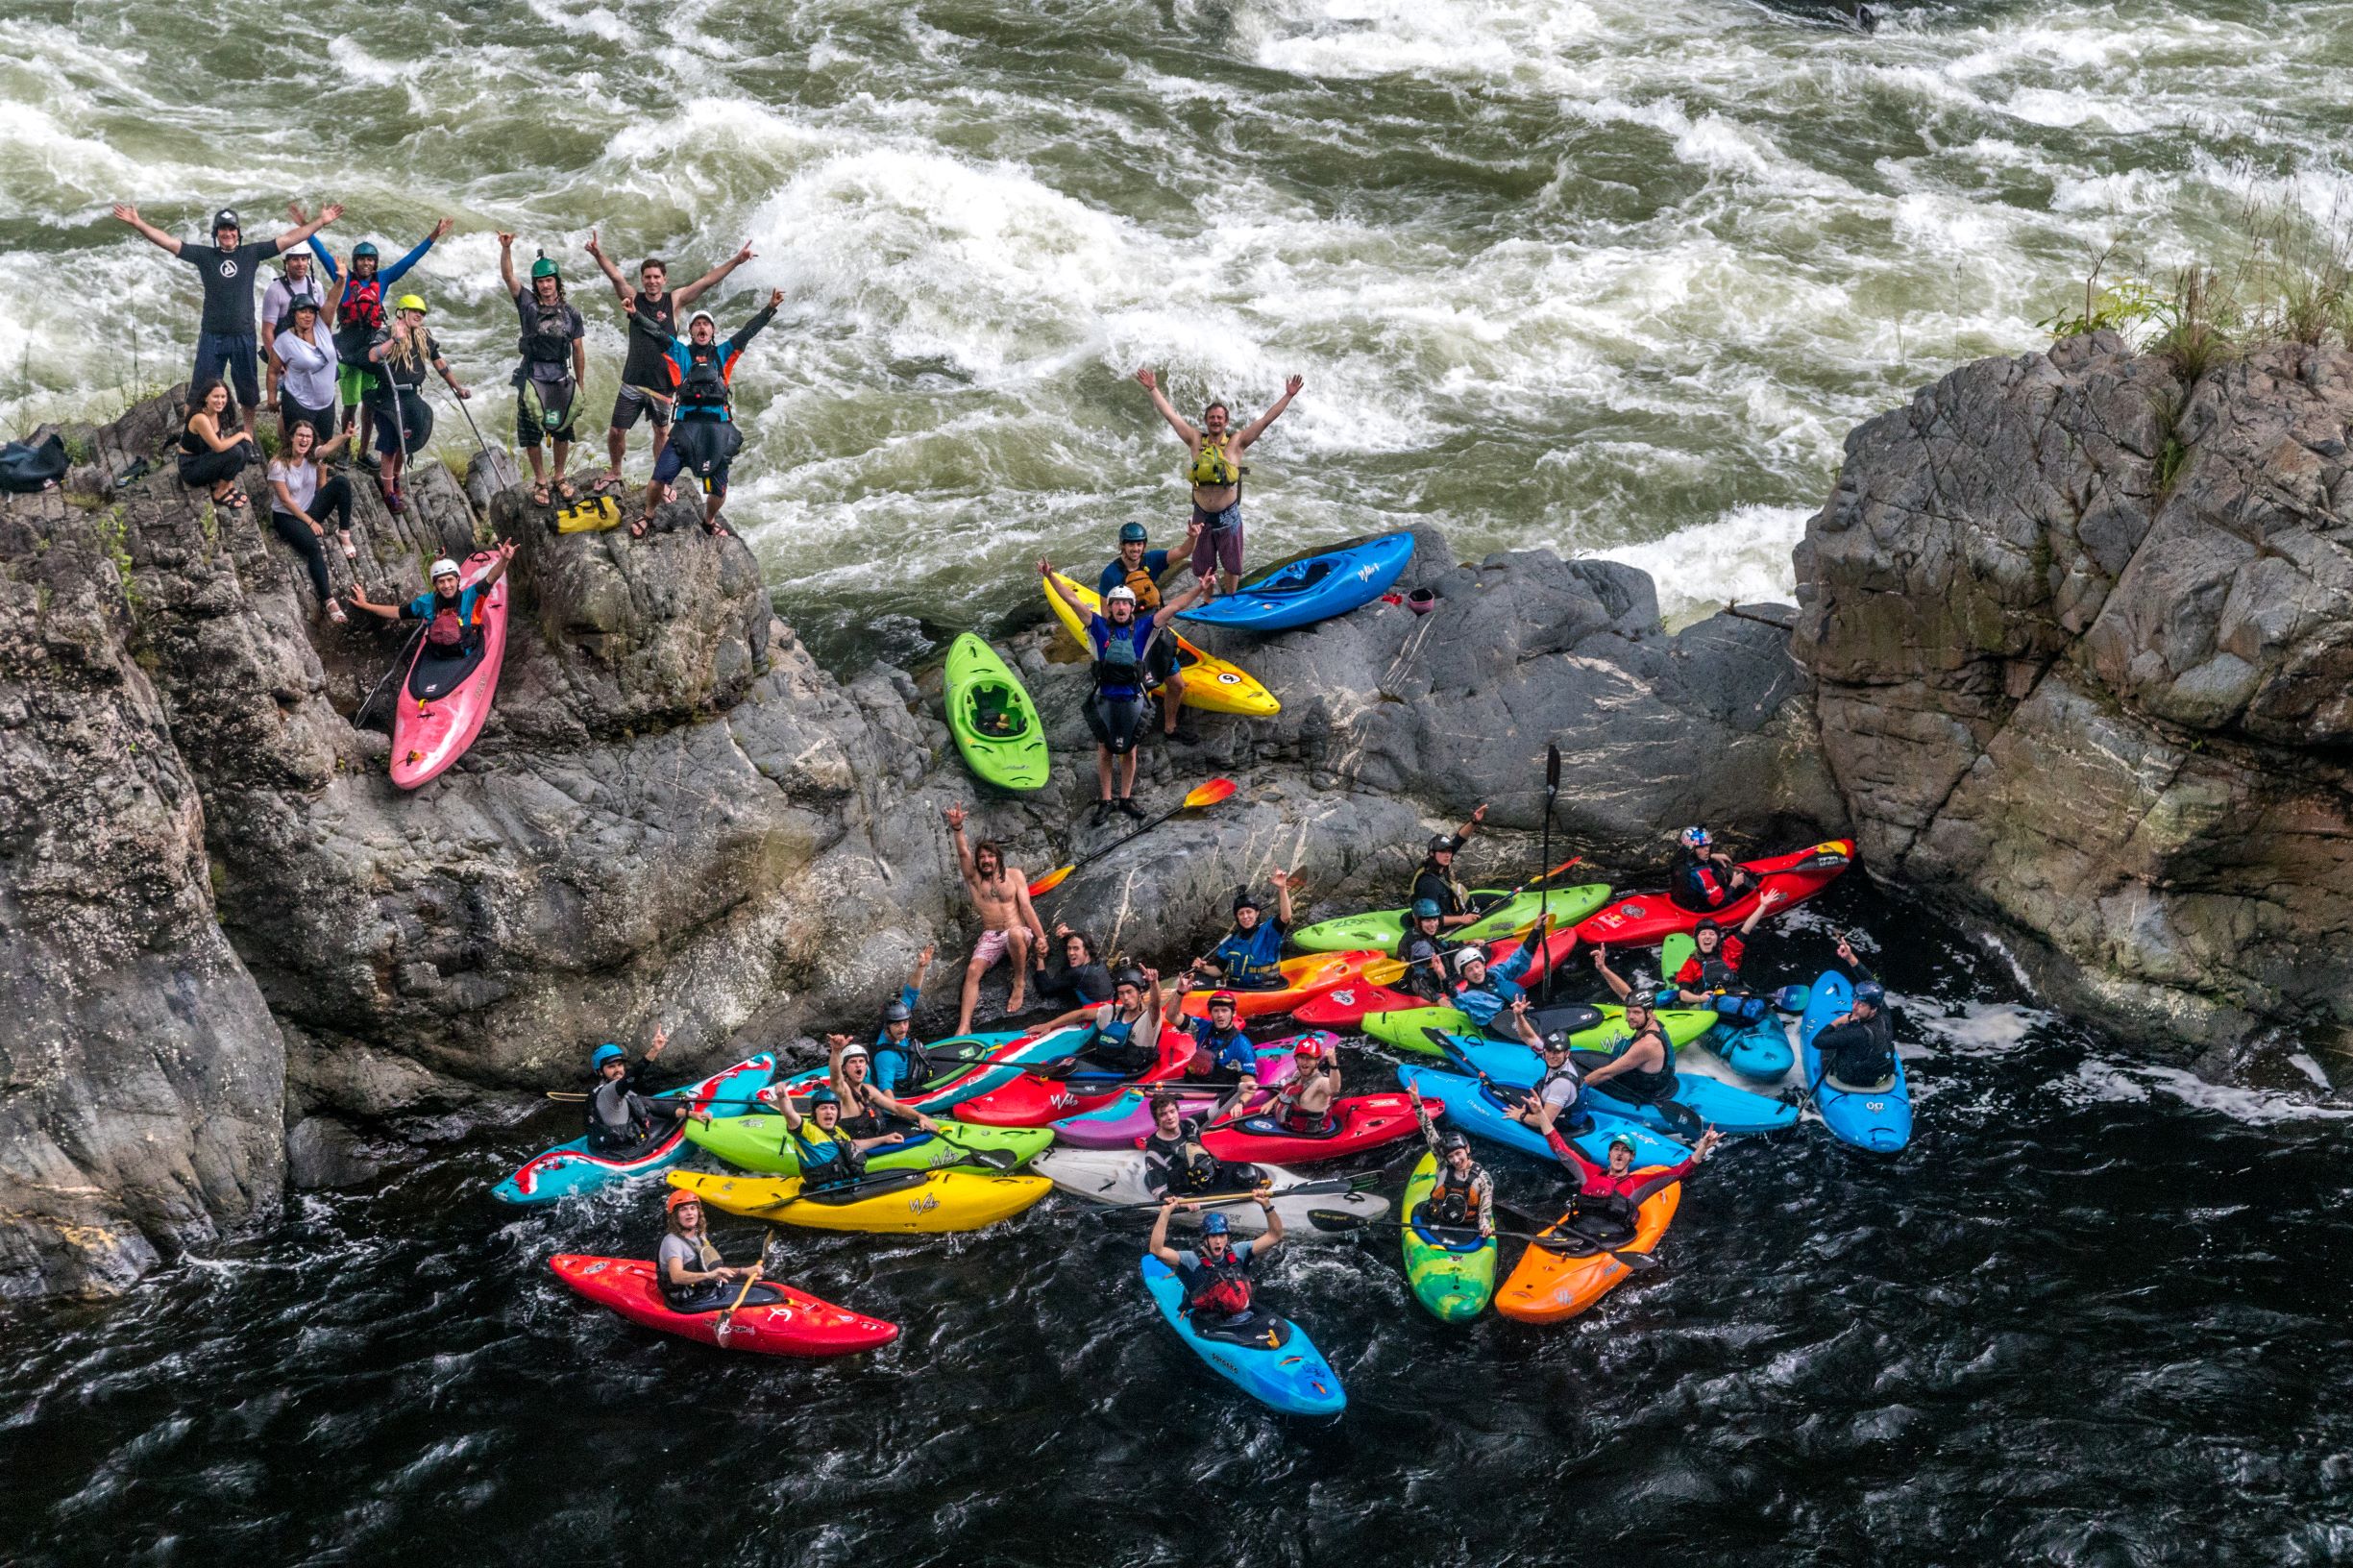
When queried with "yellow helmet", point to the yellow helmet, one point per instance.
{"points": [[410, 302]]}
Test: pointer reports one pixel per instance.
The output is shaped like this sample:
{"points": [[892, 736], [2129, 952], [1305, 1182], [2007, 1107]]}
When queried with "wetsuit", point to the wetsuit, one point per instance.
{"points": [[1160, 657], [1116, 712], [1607, 1208], [624, 1119], [1859, 1054], [704, 439], [1246, 960]]}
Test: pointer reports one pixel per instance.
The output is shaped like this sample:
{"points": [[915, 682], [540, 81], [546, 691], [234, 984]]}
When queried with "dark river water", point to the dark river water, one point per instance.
{"points": [[2095, 1314]]}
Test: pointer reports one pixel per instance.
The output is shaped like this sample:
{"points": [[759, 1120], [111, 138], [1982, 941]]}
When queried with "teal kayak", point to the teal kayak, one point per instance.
{"points": [[1473, 1107], [1714, 1102], [1279, 1367]]}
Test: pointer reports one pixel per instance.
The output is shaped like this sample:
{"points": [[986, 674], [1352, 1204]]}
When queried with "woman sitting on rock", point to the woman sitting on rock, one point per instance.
{"points": [[207, 455], [300, 492]]}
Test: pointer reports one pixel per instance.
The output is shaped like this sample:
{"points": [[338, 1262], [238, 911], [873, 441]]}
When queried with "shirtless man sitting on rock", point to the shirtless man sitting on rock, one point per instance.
{"points": [[1000, 897]]}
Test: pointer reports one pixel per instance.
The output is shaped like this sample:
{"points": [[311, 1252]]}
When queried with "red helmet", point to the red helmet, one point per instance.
{"points": [[1224, 998], [679, 1195], [1310, 1046]]}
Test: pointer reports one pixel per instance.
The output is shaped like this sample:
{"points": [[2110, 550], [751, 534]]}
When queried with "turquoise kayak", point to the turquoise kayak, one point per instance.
{"points": [[1716, 1103], [1873, 1116], [1284, 1370], [571, 1168], [1757, 1050], [1314, 588], [1473, 1107]]}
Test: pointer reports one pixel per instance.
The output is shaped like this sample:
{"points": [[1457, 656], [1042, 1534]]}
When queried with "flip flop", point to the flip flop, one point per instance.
{"points": [[716, 530]]}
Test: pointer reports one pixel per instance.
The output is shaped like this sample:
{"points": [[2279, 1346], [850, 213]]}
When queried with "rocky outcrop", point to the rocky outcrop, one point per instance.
{"points": [[2084, 647]]}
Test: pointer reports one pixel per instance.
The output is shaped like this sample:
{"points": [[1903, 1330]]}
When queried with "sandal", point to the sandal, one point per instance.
{"points": [[351, 551], [234, 501], [637, 529], [334, 612], [563, 488], [539, 494]]}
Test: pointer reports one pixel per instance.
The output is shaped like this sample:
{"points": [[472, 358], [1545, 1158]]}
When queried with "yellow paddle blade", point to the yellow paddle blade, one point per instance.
{"points": [[1209, 793], [1050, 881]]}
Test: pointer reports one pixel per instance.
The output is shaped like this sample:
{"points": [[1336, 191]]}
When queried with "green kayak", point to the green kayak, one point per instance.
{"points": [[759, 1143], [1404, 1028], [1452, 1270], [994, 722], [1383, 928]]}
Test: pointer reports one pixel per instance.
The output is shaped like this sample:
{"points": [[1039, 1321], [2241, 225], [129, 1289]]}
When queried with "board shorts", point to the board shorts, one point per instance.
{"points": [[630, 402], [234, 357], [352, 385], [989, 949], [1221, 541]]}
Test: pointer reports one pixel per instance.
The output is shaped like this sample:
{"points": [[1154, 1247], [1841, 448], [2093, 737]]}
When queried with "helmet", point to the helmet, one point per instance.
{"points": [[1130, 975], [1872, 992], [410, 302], [853, 1048], [301, 302], [1224, 998], [1453, 1141], [1122, 595], [1312, 1045], [443, 568], [226, 218], [822, 1095], [702, 315], [364, 251], [1620, 1140], [598, 1058], [543, 268], [1445, 843], [1245, 899], [1214, 1224], [1133, 534], [1697, 838], [1469, 956], [896, 1012], [1707, 922], [1556, 1044], [1427, 909], [679, 1197]]}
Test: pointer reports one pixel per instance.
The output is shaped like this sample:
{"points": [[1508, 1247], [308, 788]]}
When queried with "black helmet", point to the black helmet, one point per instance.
{"points": [[1245, 899], [896, 1012], [1128, 975], [1556, 1044], [1707, 922], [1453, 1141], [226, 218], [1133, 534], [1872, 992], [1445, 843]]}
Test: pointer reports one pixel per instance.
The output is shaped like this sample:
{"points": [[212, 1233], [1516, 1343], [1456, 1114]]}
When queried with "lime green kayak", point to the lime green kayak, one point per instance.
{"points": [[1383, 928], [994, 722], [1404, 1028], [759, 1143], [1452, 1272]]}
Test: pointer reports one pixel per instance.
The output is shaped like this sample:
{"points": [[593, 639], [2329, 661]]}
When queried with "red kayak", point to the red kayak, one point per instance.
{"points": [[800, 1325], [1357, 1122], [445, 699], [1648, 918], [1345, 1006], [1032, 1101]]}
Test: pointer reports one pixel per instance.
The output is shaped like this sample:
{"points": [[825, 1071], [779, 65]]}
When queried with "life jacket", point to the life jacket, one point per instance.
{"points": [[359, 315], [867, 1124], [918, 1071], [702, 389], [1288, 1111], [447, 629], [1222, 1285], [1209, 1045], [546, 347], [1248, 958], [1116, 1044], [845, 1165], [1615, 1209], [616, 1116], [1191, 1169], [1567, 1073], [1211, 468], [1702, 884], [1647, 1086], [706, 1258], [1118, 655], [1453, 1203]]}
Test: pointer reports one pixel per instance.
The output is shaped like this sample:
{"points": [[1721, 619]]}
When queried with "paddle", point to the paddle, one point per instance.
{"points": [[1447, 1048], [1552, 793], [1552, 1239], [758, 1267], [1328, 1185], [1205, 795], [359, 719]]}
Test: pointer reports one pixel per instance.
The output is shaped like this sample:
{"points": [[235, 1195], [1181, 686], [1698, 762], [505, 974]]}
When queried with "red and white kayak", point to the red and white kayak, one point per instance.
{"points": [[444, 700], [798, 1325], [1357, 1122], [1031, 1101], [1646, 918]]}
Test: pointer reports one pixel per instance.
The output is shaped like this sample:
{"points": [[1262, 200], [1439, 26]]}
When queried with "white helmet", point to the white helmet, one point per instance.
{"points": [[1117, 595], [443, 568], [702, 315]]}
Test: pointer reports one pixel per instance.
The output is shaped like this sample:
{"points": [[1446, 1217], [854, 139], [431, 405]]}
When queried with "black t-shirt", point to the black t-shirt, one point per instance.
{"points": [[649, 354], [229, 277]]}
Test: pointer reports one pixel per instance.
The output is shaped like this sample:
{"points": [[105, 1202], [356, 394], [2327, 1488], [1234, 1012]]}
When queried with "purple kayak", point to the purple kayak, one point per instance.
{"points": [[1126, 1121]]}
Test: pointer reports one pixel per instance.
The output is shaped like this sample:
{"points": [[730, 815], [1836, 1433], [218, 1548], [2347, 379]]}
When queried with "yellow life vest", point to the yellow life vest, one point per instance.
{"points": [[1212, 468]]}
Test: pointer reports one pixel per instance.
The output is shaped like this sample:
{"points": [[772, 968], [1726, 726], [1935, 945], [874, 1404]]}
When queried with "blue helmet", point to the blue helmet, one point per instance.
{"points": [[598, 1058], [1215, 1224], [365, 250], [1872, 992], [1133, 534], [1427, 909], [822, 1095]]}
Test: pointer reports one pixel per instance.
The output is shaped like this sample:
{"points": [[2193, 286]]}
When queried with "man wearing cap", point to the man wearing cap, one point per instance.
{"points": [[643, 377], [226, 346], [1139, 571], [555, 368], [1858, 1046], [1436, 878], [1609, 1199]]}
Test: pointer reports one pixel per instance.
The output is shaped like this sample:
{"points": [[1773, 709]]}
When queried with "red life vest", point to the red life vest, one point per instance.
{"points": [[447, 629], [1224, 1283]]}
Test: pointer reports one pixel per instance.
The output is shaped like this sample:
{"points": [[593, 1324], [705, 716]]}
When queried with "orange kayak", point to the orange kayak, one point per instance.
{"points": [[1306, 977], [1545, 1287]]}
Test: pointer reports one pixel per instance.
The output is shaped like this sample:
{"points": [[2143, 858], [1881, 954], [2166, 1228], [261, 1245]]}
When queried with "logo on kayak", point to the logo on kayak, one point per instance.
{"points": [[1874, 1105], [1346, 998], [923, 1203], [1228, 678], [594, 1269], [1062, 1097]]}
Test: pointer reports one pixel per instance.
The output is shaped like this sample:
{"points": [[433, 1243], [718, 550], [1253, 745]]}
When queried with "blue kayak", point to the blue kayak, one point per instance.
{"points": [[1473, 1107], [1718, 1104], [1877, 1116], [1758, 1050], [570, 1168], [1291, 1377], [1310, 590]]}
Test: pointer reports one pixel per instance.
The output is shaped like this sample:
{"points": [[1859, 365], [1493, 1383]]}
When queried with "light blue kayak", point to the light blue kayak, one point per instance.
{"points": [[1474, 1107], [1878, 1116], [1291, 1377], [1716, 1103], [568, 1170], [1313, 589], [1760, 1050]]}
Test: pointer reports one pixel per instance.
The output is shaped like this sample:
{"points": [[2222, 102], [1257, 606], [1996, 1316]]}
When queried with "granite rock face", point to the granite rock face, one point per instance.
{"points": [[2085, 653]]}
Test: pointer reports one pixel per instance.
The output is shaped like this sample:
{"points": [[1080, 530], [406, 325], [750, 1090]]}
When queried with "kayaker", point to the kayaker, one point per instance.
{"points": [[1642, 1070], [1138, 569], [865, 1102], [1121, 639], [1464, 1193], [1609, 1199], [1483, 989], [1219, 1045], [1010, 927], [1079, 978], [1127, 1028], [622, 1119], [555, 368], [1424, 950], [1215, 473], [1714, 968], [901, 1066], [693, 1277], [1702, 877], [1555, 1091], [1434, 879], [448, 610], [1175, 1164], [1246, 958], [1217, 1276], [1303, 1104], [1858, 1046], [829, 1155], [699, 373], [642, 371]]}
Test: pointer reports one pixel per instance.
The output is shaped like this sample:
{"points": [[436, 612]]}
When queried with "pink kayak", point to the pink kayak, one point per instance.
{"points": [[1127, 1121], [445, 700]]}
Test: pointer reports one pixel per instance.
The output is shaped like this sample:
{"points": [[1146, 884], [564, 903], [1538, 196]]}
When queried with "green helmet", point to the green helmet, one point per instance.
{"points": [[543, 268]]}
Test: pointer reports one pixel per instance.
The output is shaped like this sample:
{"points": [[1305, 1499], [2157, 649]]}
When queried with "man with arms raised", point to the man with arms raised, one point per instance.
{"points": [[1000, 897], [1216, 476], [656, 302]]}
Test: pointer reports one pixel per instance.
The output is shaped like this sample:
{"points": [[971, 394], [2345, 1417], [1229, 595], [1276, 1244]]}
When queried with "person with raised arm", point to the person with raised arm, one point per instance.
{"points": [[643, 382], [1122, 643], [1009, 922], [1215, 475], [555, 368]]}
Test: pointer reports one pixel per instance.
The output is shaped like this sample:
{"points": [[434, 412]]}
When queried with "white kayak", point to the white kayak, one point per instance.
{"points": [[1117, 1176]]}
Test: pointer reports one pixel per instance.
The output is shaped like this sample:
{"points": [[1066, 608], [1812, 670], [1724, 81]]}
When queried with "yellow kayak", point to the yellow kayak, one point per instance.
{"points": [[1211, 683], [898, 1200]]}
